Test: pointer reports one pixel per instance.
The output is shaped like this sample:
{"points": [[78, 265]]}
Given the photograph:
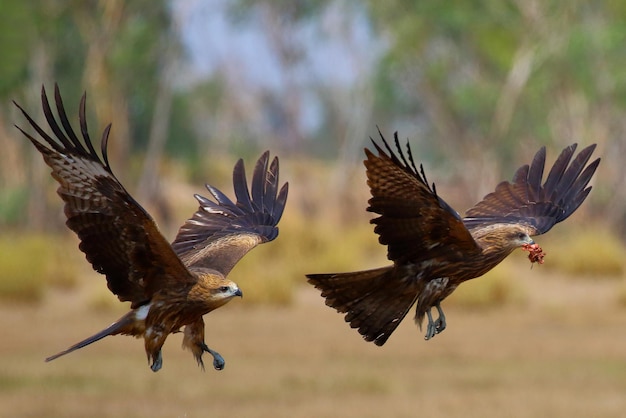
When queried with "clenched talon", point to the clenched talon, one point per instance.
{"points": [[435, 327], [157, 363], [218, 360], [440, 323]]}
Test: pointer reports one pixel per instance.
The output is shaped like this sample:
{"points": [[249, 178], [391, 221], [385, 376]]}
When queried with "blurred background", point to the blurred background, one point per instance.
{"points": [[190, 86]]}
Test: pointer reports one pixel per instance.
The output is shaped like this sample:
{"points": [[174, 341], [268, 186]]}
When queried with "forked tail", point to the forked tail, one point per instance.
{"points": [[117, 327], [374, 301]]}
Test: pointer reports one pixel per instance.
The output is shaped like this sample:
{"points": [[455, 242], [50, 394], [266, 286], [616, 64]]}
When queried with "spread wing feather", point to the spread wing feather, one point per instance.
{"points": [[535, 173], [526, 201], [259, 183], [222, 232], [240, 185], [117, 235], [415, 223]]}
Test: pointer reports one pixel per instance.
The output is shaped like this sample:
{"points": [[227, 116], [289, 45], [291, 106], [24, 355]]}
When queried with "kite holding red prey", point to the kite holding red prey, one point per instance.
{"points": [[433, 249]]}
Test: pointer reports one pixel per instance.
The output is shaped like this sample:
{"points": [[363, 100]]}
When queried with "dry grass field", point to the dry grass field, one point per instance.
{"points": [[545, 342], [561, 352]]}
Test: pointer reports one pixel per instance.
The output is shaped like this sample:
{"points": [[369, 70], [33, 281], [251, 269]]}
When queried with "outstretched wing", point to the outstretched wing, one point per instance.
{"points": [[415, 223], [117, 235], [222, 232], [526, 201]]}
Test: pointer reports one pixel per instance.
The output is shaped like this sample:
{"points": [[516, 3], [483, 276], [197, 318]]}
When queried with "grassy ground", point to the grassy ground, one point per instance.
{"points": [[561, 352]]}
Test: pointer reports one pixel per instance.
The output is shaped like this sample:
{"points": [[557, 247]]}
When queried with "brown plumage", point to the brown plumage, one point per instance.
{"points": [[433, 249], [169, 286]]}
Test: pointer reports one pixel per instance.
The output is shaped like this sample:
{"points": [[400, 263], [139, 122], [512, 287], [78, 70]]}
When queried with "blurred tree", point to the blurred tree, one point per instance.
{"points": [[25, 57], [18, 22], [479, 84], [445, 70], [116, 48], [296, 32], [483, 83], [128, 47], [280, 21]]}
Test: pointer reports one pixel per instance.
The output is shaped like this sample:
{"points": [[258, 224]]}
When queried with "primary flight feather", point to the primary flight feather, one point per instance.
{"points": [[433, 248], [170, 287]]}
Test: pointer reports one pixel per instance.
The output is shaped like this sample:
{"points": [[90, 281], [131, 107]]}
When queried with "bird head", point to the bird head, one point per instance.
{"points": [[503, 236], [226, 289], [214, 290], [518, 236], [221, 292]]}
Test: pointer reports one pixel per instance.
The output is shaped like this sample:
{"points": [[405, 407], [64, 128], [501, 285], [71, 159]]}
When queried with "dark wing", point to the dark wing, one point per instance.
{"points": [[526, 201], [118, 237], [222, 232], [415, 223]]}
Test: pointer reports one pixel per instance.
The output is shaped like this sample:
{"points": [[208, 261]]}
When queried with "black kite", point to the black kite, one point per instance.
{"points": [[433, 249], [169, 286]]}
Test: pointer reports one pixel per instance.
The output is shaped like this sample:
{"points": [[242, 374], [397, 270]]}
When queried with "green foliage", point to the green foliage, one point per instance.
{"points": [[12, 204], [182, 141], [455, 67], [16, 32], [433, 40]]}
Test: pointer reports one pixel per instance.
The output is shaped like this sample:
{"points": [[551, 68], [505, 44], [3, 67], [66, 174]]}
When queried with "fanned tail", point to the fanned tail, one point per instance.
{"points": [[374, 301]]}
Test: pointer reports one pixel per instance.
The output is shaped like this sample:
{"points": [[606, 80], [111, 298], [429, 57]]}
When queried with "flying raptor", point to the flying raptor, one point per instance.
{"points": [[433, 249], [170, 286]]}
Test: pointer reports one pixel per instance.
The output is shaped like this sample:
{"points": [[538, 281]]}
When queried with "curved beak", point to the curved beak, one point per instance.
{"points": [[239, 293]]}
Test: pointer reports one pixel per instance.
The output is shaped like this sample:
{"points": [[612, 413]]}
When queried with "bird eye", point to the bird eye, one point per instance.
{"points": [[224, 289], [521, 235]]}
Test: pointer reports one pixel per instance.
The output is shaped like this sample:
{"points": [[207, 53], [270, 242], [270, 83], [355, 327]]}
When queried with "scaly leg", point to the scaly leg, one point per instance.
{"points": [[434, 327], [440, 323], [157, 361], [218, 360], [154, 338], [193, 339], [431, 329]]}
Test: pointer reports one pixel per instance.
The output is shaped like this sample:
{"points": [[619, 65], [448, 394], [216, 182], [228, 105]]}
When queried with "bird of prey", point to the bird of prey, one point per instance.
{"points": [[433, 249], [169, 286]]}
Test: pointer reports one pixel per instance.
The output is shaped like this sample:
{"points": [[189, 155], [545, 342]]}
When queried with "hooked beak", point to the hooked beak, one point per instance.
{"points": [[239, 293]]}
